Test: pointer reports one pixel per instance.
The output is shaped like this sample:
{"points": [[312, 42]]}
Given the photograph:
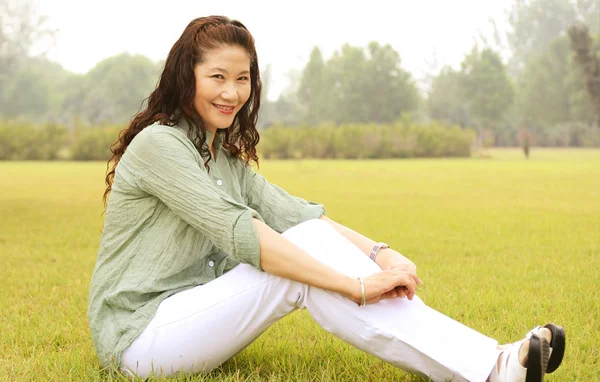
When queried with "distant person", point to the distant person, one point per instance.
{"points": [[199, 254]]}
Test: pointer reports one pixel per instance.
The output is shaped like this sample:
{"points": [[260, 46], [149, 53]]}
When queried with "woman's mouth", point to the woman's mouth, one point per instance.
{"points": [[224, 109]]}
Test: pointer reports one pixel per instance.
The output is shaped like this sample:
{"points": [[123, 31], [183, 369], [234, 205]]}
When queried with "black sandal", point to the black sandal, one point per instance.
{"points": [[558, 347], [537, 359]]}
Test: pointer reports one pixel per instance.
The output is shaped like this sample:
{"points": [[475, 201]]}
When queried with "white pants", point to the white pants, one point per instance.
{"points": [[200, 328]]}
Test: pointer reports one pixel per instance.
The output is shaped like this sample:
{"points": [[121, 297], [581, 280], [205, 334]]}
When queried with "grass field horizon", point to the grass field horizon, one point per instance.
{"points": [[502, 244]]}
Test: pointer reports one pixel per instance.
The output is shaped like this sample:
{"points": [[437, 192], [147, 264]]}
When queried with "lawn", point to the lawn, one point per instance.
{"points": [[501, 243]]}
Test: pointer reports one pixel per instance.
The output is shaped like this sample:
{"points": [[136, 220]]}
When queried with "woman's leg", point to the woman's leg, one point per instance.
{"points": [[200, 328], [407, 334]]}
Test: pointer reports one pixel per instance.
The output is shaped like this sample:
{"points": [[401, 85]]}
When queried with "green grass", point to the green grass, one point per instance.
{"points": [[502, 244]]}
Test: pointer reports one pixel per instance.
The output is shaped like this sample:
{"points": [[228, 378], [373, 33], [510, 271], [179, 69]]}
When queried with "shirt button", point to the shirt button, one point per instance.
{"points": [[219, 182], [211, 263]]}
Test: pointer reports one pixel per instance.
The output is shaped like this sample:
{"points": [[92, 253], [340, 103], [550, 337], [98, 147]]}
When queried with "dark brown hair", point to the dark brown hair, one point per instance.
{"points": [[172, 101]]}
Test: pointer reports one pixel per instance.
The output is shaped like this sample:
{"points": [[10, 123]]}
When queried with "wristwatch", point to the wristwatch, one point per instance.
{"points": [[376, 249]]}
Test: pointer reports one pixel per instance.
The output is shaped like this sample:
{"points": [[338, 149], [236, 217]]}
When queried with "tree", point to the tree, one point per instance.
{"points": [[286, 109], [29, 94], [113, 90], [389, 89], [20, 27], [313, 94], [37, 91], [445, 102], [265, 116], [550, 90], [589, 61], [486, 88], [588, 13], [346, 72], [430, 69], [534, 24], [543, 99], [356, 85]]}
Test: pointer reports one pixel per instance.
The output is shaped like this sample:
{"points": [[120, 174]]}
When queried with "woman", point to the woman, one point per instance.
{"points": [[200, 254]]}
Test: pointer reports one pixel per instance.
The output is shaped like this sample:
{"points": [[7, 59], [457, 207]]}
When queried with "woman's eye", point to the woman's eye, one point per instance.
{"points": [[219, 76], [244, 78]]}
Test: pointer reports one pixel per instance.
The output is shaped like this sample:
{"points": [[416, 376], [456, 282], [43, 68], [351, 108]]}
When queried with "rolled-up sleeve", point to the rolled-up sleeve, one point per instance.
{"points": [[166, 165], [279, 209]]}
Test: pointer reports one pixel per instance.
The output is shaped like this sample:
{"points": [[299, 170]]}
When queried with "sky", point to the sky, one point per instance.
{"points": [[285, 32]]}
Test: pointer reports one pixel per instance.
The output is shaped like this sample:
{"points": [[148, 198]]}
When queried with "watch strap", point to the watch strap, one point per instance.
{"points": [[376, 250]]}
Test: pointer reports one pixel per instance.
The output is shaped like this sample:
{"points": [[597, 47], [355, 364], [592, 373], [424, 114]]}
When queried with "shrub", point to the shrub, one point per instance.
{"points": [[353, 141]]}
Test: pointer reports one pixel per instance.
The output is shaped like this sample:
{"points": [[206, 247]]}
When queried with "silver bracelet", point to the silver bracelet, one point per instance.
{"points": [[362, 287]]}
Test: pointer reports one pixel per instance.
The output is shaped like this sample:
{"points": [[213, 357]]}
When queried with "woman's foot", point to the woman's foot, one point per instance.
{"points": [[555, 335], [522, 361], [557, 343]]}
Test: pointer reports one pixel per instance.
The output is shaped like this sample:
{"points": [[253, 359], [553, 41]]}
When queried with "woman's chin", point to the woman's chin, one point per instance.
{"points": [[224, 123]]}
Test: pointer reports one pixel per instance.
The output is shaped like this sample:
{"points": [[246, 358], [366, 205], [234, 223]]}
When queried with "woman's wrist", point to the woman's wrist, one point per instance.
{"points": [[382, 255], [353, 290]]}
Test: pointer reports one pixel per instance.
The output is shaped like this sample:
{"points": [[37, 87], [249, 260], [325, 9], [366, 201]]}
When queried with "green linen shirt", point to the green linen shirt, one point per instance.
{"points": [[170, 225]]}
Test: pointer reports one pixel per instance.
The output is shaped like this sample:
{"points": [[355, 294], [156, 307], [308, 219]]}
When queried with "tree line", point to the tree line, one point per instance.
{"points": [[548, 90], [403, 139]]}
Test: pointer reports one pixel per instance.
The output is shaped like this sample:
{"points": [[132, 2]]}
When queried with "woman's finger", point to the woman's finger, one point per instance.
{"points": [[401, 291], [402, 278], [373, 300], [390, 294], [411, 285], [416, 279]]}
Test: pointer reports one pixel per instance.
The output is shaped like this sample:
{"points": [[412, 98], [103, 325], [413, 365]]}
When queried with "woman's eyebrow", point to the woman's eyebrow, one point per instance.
{"points": [[226, 72]]}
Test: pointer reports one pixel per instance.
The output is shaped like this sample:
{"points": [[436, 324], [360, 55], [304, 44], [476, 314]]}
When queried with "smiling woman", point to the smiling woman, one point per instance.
{"points": [[210, 68], [222, 86], [200, 254]]}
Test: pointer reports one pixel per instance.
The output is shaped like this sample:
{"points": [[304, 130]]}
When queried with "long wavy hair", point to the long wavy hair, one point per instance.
{"points": [[172, 102]]}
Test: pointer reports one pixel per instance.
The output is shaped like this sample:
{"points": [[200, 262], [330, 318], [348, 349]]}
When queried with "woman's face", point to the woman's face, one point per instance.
{"points": [[222, 86]]}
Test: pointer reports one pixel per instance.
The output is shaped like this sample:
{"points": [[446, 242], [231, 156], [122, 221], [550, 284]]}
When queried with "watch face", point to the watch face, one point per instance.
{"points": [[384, 245]]}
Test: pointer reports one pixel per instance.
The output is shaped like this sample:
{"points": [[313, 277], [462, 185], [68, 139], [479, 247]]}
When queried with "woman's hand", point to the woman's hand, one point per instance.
{"points": [[385, 284], [388, 259]]}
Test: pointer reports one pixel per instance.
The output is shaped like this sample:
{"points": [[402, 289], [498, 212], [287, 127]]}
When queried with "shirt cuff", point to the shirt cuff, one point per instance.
{"points": [[312, 211]]}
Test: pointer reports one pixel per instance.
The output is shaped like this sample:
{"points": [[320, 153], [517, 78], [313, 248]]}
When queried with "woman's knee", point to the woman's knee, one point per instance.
{"points": [[310, 228]]}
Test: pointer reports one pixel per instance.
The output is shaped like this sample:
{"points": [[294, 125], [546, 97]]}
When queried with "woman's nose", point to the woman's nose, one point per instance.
{"points": [[230, 93]]}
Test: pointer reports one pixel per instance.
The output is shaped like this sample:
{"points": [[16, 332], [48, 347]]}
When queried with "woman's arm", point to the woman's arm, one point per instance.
{"points": [[281, 257], [387, 258], [280, 210], [164, 164]]}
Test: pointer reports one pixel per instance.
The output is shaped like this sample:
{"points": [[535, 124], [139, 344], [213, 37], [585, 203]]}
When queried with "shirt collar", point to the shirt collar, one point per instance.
{"points": [[218, 139]]}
